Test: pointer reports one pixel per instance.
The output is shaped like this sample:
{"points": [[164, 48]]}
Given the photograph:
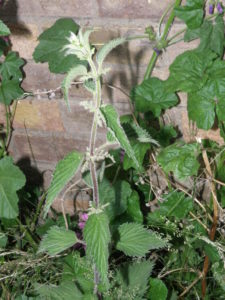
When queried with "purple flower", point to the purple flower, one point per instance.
{"points": [[157, 51], [211, 9], [219, 8], [82, 220], [81, 225]]}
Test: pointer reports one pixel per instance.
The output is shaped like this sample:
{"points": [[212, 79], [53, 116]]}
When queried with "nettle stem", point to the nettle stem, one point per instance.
{"points": [[162, 40], [94, 128]]}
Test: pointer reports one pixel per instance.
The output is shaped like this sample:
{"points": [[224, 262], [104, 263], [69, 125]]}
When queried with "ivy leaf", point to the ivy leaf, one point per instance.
{"points": [[10, 90], [56, 240], [175, 204], [192, 14], [11, 180], [4, 30], [10, 68], [64, 172], [115, 195], [97, 237], [188, 71], [133, 279], [50, 48], [133, 208], [135, 240], [140, 150], [180, 159], [157, 290], [201, 109], [113, 124], [212, 35], [151, 95]]}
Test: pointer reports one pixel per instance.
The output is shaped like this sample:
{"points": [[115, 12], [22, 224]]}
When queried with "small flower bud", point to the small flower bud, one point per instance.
{"points": [[211, 9], [157, 51], [219, 8]]}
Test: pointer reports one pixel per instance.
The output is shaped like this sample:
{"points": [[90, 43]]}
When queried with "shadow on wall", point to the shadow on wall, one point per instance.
{"points": [[9, 14]]}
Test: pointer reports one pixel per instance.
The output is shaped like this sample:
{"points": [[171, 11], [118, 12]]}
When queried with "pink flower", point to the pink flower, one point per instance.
{"points": [[84, 217], [81, 225]]}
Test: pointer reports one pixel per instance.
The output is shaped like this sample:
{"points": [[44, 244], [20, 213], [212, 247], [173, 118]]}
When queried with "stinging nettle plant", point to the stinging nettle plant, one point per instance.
{"points": [[150, 231]]}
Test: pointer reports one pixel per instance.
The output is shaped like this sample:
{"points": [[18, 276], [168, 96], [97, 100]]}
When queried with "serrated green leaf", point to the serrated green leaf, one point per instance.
{"points": [[64, 172], [201, 109], [56, 240], [133, 208], [132, 279], [97, 237], [158, 289], [115, 195], [140, 150], [192, 13], [4, 30], [180, 159], [11, 67], [78, 70], [113, 124], [79, 270], [107, 48], [175, 204], [51, 43], [135, 240], [10, 90], [65, 291], [188, 71], [11, 180], [151, 95]]}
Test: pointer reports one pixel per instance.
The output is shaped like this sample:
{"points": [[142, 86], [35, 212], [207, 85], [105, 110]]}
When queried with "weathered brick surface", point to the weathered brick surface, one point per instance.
{"points": [[132, 8], [38, 115], [38, 8]]}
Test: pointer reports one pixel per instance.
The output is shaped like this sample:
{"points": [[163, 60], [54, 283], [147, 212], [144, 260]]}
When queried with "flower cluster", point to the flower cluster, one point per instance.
{"points": [[218, 5]]}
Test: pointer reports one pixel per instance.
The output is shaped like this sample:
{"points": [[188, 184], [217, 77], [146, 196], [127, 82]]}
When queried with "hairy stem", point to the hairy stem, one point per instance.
{"points": [[163, 38]]}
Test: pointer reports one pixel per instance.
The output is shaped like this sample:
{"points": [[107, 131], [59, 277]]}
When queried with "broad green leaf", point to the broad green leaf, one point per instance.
{"points": [[51, 43], [192, 13], [140, 150], [10, 90], [157, 290], [188, 71], [11, 67], [201, 109], [107, 48], [11, 180], [115, 195], [216, 79], [132, 279], [175, 204], [180, 159], [65, 291], [64, 172], [133, 208], [191, 34], [220, 109], [4, 30], [135, 240], [76, 71], [97, 238], [56, 240], [3, 240], [212, 35], [151, 95], [113, 124]]}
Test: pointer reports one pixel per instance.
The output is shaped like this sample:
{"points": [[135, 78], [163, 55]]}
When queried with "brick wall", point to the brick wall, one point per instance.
{"points": [[44, 131]]}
